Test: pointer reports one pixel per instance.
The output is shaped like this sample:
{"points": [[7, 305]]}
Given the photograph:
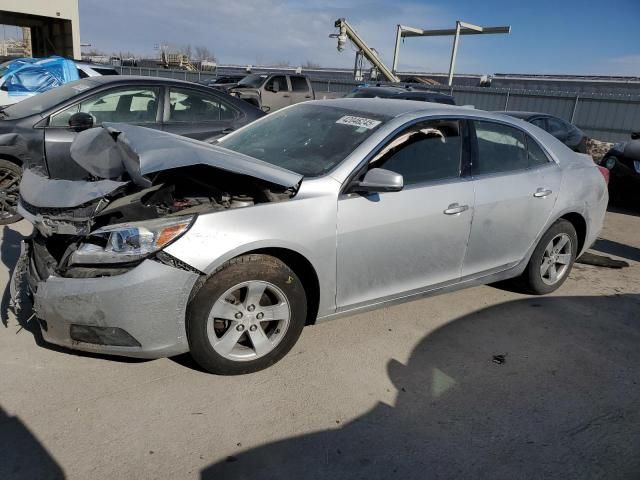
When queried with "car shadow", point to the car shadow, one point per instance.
{"points": [[24, 457], [533, 388], [618, 249]]}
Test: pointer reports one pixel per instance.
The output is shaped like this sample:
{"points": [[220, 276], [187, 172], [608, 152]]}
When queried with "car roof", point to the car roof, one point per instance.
{"points": [[525, 115], [396, 107], [104, 79]]}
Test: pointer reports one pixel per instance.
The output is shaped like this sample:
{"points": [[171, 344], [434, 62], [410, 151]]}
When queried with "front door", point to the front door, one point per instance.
{"points": [[135, 105], [516, 188], [275, 93], [397, 243]]}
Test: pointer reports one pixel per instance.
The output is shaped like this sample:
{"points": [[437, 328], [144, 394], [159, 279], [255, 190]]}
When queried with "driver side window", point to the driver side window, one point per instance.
{"points": [[424, 152], [280, 80], [134, 105]]}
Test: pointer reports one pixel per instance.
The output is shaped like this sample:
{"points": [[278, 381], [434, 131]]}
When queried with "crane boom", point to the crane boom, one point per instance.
{"points": [[347, 31]]}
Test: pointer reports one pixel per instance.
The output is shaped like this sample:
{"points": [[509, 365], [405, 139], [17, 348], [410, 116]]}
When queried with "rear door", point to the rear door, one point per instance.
{"points": [[138, 105], [516, 186], [197, 114], [300, 89]]}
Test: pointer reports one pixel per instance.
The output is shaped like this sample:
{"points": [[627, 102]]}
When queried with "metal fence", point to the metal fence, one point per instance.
{"points": [[608, 117]]}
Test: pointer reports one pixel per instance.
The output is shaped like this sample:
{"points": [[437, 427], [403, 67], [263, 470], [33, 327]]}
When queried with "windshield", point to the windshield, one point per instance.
{"points": [[252, 81], [308, 139], [46, 100]]}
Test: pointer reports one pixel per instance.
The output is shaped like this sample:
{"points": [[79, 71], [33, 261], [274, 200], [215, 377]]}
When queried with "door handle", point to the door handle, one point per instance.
{"points": [[227, 130], [285, 96], [454, 209], [307, 96], [542, 192]]}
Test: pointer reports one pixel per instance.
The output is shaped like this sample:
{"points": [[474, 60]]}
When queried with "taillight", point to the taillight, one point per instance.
{"points": [[605, 173]]}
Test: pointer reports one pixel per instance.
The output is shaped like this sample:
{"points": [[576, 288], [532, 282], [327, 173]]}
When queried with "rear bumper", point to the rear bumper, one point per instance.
{"points": [[148, 302]]}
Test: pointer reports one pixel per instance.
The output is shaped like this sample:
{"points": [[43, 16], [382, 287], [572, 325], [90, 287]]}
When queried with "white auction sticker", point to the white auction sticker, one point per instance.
{"points": [[362, 122]]}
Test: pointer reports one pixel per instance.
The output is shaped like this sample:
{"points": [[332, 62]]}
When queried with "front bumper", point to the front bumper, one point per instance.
{"points": [[148, 302]]}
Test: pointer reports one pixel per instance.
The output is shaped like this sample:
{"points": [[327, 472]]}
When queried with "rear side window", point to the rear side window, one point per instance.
{"points": [[536, 155], [425, 152], [501, 148], [193, 106], [299, 84]]}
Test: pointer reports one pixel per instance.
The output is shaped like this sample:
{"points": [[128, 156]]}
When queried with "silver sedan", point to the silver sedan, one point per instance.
{"points": [[318, 211]]}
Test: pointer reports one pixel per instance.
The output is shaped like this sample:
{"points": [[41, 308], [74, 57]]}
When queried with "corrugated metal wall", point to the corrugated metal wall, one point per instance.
{"points": [[608, 117]]}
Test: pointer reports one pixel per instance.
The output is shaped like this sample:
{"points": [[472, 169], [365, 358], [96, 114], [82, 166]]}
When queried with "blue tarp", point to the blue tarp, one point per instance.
{"points": [[25, 77]]}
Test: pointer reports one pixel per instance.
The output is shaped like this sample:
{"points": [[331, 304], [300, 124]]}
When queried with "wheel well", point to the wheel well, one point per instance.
{"points": [[580, 224], [10, 158], [305, 271]]}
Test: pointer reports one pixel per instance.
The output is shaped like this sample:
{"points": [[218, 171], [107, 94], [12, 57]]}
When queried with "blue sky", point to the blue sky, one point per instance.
{"points": [[561, 36]]}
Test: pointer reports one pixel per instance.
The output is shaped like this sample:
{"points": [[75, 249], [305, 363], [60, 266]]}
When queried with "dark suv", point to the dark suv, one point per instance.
{"points": [[401, 93]]}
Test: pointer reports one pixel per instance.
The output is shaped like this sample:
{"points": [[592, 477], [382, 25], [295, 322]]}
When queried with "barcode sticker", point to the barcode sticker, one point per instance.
{"points": [[360, 122]]}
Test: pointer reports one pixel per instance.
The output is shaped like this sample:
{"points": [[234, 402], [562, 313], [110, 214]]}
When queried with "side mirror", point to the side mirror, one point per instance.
{"points": [[81, 121], [635, 135], [378, 180]]}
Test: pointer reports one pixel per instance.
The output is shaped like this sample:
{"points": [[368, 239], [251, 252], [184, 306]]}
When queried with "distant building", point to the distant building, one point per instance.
{"points": [[49, 27]]}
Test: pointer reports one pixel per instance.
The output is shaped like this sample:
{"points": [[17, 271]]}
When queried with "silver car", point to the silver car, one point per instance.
{"points": [[318, 211]]}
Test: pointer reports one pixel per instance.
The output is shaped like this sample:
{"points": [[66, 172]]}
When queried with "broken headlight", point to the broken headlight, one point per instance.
{"points": [[129, 242]]}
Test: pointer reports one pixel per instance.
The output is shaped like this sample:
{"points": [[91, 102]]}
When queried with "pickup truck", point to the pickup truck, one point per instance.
{"points": [[271, 92]]}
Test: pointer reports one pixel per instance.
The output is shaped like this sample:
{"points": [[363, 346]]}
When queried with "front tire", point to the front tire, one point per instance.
{"points": [[247, 316], [10, 176], [552, 259]]}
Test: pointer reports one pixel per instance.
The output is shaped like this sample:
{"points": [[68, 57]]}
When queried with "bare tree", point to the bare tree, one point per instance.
{"points": [[310, 64], [281, 63], [204, 54]]}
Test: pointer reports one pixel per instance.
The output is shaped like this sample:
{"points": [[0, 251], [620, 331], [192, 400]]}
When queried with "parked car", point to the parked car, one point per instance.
{"points": [[225, 82], [271, 92], [402, 93], [623, 163], [320, 210], [566, 132], [24, 77], [38, 131]]}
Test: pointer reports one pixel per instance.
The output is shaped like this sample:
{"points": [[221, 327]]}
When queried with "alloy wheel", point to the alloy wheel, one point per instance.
{"points": [[556, 259], [248, 321]]}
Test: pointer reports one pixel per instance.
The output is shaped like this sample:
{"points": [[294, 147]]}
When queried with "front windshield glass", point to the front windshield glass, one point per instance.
{"points": [[44, 101], [252, 81], [309, 139]]}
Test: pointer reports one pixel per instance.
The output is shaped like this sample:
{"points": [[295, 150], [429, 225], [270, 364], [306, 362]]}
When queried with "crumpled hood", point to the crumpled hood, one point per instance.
{"points": [[116, 148]]}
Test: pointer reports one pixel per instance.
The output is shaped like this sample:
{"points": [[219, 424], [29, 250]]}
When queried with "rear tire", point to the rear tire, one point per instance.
{"points": [[247, 316], [552, 259], [10, 176]]}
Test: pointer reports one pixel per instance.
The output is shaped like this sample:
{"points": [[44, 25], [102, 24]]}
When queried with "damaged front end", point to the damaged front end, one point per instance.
{"points": [[143, 189], [96, 254]]}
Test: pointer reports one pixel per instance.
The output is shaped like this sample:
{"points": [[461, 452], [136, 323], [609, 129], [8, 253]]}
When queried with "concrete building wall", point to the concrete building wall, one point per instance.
{"points": [[55, 25]]}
